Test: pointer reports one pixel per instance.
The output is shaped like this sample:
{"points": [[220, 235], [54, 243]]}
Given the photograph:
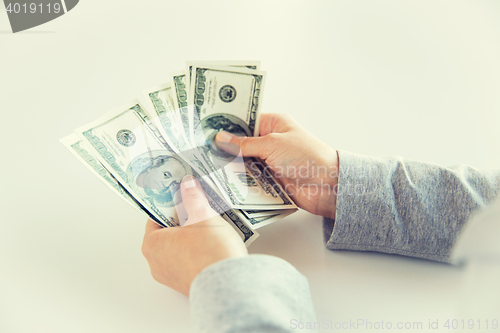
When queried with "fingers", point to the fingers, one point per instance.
{"points": [[270, 124], [275, 123], [151, 226], [195, 202], [247, 146]]}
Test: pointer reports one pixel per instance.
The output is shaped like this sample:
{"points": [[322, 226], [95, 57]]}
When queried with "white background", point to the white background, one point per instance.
{"points": [[420, 79]]}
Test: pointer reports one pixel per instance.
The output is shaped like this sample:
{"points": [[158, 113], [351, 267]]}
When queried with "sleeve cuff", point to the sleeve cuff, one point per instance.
{"points": [[366, 210], [255, 293]]}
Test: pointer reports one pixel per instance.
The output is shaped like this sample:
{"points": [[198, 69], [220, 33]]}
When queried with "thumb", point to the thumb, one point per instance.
{"points": [[195, 202], [248, 146]]}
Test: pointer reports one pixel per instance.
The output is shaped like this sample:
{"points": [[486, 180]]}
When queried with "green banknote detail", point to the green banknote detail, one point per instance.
{"points": [[264, 177], [119, 169], [180, 90], [166, 119], [97, 166], [200, 91], [257, 220], [103, 151], [220, 206], [230, 64], [146, 120], [174, 134], [181, 97]]}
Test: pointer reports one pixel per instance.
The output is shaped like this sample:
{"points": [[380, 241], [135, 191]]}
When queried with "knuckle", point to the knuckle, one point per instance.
{"points": [[145, 250], [286, 121], [272, 141], [242, 142], [148, 244], [273, 138], [281, 116], [286, 118]]}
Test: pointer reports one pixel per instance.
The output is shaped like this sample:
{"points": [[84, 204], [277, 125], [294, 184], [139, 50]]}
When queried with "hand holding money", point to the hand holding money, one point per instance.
{"points": [[305, 167], [143, 152], [176, 255]]}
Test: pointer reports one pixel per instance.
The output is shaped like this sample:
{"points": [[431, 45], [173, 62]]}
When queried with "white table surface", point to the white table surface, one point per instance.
{"points": [[420, 79]]}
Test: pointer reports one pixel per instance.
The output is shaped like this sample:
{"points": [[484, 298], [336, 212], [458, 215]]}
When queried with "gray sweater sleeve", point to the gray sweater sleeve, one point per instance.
{"points": [[257, 293], [409, 208]]}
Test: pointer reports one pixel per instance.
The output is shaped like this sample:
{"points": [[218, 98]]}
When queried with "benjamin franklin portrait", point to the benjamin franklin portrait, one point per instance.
{"points": [[158, 175]]}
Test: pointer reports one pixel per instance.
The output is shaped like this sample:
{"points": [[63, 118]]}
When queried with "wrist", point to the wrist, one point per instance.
{"points": [[329, 183]]}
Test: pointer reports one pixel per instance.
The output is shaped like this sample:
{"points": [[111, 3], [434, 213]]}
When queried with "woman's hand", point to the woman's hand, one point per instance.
{"points": [[306, 167], [177, 255]]}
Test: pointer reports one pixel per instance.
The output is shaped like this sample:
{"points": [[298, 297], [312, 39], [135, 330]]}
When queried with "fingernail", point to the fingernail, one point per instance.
{"points": [[224, 137], [188, 182]]}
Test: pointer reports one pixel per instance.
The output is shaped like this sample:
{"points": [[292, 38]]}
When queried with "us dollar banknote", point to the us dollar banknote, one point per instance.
{"points": [[193, 120], [228, 99], [142, 154], [180, 82], [167, 119], [126, 142], [131, 148], [250, 64]]}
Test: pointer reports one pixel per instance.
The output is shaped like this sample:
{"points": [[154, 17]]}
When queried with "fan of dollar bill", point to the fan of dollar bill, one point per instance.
{"points": [[142, 151]]}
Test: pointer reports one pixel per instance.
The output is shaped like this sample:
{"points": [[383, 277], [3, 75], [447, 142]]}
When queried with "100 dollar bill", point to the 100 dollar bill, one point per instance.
{"points": [[164, 114], [129, 145], [228, 99], [181, 88]]}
